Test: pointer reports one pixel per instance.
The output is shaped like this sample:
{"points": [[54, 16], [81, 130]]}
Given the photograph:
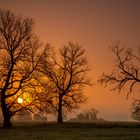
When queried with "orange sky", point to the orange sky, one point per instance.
{"points": [[95, 24]]}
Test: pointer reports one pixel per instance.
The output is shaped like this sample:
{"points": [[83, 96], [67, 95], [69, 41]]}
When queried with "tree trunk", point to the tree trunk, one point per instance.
{"points": [[60, 117], [6, 113], [7, 121]]}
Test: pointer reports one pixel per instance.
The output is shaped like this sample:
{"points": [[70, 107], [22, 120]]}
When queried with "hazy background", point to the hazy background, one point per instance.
{"points": [[95, 24]]}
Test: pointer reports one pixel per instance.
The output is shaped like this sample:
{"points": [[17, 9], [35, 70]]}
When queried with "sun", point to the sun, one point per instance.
{"points": [[20, 100]]}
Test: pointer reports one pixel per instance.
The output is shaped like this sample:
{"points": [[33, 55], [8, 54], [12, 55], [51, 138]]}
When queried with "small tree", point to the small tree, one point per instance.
{"points": [[19, 57], [67, 78], [89, 116], [136, 110]]}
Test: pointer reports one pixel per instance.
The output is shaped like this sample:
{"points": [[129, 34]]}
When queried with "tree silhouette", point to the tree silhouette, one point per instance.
{"points": [[19, 57], [126, 73], [67, 77]]}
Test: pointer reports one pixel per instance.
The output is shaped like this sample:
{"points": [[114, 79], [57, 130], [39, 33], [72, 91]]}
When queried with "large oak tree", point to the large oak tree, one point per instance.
{"points": [[20, 55]]}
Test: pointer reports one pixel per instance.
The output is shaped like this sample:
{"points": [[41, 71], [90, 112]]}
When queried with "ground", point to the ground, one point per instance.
{"points": [[73, 131]]}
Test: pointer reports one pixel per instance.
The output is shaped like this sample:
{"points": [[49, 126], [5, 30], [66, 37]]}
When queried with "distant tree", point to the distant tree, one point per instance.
{"points": [[87, 116], [40, 117], [126, 73], [24, 116], [67, 77], [20, 55], [136, 110]]}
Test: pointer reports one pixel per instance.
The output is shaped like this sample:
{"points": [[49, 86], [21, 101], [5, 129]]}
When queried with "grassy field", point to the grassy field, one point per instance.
{"points": [[73, 131]]}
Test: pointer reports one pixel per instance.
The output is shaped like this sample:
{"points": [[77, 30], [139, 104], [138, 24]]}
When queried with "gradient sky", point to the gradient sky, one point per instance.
{"points": [[95, 24]]}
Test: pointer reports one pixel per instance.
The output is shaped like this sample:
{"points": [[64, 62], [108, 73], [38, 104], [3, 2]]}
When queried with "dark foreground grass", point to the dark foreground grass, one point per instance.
{"points": [[73, 131]]}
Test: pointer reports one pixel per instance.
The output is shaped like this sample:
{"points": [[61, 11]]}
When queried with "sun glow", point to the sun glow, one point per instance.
{"points": [[20, 100]]}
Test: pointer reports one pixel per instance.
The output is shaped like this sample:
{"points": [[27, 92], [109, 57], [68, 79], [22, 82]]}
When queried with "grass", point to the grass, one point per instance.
{"points": [[73, 131]]}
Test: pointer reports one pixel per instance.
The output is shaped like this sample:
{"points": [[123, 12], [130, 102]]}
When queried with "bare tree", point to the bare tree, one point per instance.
{"points": [[126, 74], [19, 57], [67, 78]]}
